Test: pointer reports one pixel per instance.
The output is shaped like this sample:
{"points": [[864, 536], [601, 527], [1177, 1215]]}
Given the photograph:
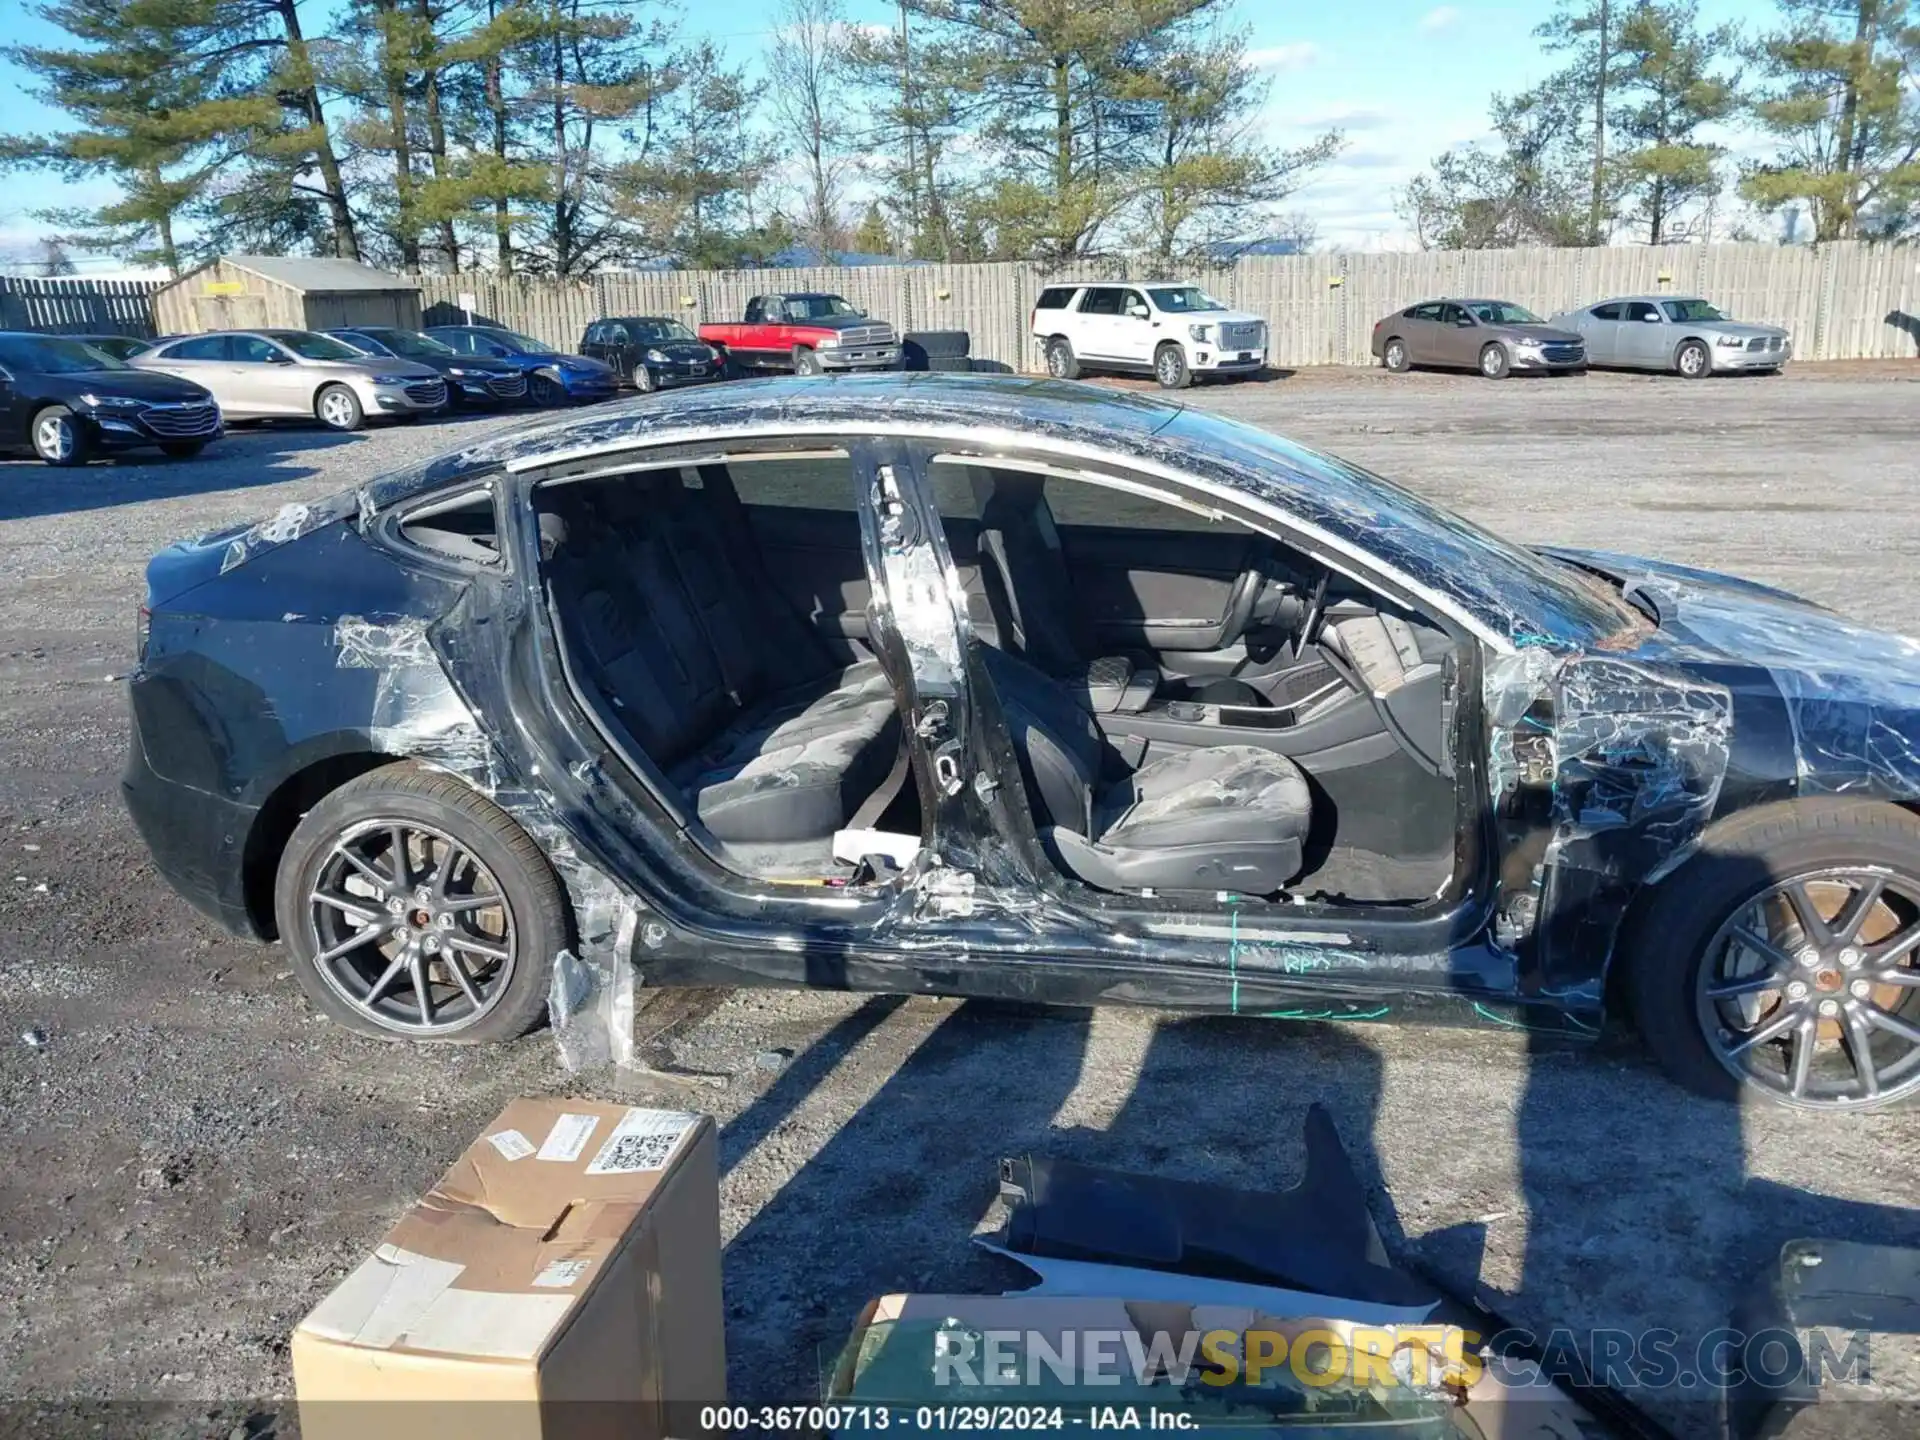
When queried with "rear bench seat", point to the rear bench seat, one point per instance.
{"points": [[665, 605]]}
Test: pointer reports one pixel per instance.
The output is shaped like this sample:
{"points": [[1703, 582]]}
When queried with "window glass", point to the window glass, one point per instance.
{"points": [[1613, 310], [202, 347], [1499, 312], [1452, 314], [794, 482], [649, 332], [1080, 502], [252, 350], [364, 343], [1685, 311], [1184, 299], [311, 346], [956, 486], [1425, 312], [52, 355], [1101, 300], [614, 334], [1642, 311], [1054, 297], [1132, 302]]}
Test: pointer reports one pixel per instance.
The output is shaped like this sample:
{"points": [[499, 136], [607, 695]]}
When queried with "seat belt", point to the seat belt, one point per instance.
{"points": [[875, 805]]}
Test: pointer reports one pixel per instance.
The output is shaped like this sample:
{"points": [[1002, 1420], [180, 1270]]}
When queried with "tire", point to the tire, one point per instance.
{"points": [[933, 344], [338, 408], [545, 391], [498, 858], [1170, 368], [643, 378], [1062, 363], [1495, 362], [1680, 945], [1395, 356], [59, 438], [805, 362], [728, 367], [182, 449], [1693, 360]]}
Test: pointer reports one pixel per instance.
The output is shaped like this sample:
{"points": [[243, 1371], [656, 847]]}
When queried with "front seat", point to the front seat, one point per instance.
{"points": [[1224, 817]]}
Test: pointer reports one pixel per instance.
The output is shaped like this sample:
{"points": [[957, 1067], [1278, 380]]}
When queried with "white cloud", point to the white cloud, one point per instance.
{"points": [[1294, 55], [1439, 18]]}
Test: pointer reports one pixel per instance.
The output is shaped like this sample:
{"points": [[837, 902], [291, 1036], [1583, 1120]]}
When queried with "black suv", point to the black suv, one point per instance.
{"points": [[66, 402], [471, 379], [653, 352]]}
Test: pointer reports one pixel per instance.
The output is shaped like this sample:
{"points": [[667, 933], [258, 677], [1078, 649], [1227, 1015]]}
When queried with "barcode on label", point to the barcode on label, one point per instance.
{"points": [[643, 1140], [561, 1274], [568, 1137], [511, 1144]]}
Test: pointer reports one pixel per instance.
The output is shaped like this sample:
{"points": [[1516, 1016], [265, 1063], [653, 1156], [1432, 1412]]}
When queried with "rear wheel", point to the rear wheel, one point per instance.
{"points": [[1170, 368], [805, 362], [1494, 363], [416, 909], [1396, 357], [1783, 961], [338, 408], [59, 438], [1062, 363], [1693, 361]]}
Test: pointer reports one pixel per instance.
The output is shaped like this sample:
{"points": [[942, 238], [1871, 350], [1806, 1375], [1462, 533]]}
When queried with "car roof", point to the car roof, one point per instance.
{"points": [[631, 319]]}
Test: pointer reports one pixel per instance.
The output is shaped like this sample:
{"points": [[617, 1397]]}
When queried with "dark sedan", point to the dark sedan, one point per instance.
{"points": [[653, 352], [478, 380], [698, 692], [66, 402], [1495, 337], [552, 378]]}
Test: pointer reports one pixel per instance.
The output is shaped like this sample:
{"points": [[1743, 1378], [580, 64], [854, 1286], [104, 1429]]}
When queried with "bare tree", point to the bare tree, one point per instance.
{"points": [[807, 64]]}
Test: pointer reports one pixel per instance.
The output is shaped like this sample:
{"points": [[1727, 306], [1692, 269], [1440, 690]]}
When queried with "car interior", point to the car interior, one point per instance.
{"points": [[1196, 707]]}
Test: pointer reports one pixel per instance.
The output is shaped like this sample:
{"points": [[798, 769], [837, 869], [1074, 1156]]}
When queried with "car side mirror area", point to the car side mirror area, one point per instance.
{"points": [[1465, 322], [1650, 319], [278, 359]]}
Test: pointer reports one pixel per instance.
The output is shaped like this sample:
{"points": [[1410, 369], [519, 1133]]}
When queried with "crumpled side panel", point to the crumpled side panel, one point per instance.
{"points": [[418, 713]]}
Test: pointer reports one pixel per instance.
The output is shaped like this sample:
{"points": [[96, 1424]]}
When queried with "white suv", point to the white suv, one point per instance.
{"points": [[1170, 331]]}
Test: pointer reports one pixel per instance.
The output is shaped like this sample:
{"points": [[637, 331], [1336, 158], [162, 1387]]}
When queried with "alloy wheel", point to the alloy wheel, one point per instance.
{"points": [[1693, 361], [1396, 356], [1057, 361], [54, 437], [1810, 991], [543, 390], [410, 928], [336, 409], [642, 378], [1169, 368]]}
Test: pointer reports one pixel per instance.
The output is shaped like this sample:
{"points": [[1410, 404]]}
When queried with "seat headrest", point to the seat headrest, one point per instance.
{"points": [[553, 534]]}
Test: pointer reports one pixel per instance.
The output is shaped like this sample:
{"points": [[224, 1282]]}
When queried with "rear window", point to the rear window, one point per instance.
{"points": [[1055, 297]]}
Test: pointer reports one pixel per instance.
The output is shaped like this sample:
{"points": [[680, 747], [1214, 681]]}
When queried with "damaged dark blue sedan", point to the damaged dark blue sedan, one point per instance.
{"points": [[996, 687]]}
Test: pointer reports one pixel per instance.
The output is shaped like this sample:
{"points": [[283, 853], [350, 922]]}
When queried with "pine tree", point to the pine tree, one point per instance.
{"points": [[1588, 32], [1666, 90], [1839, 102], [873, 237]]}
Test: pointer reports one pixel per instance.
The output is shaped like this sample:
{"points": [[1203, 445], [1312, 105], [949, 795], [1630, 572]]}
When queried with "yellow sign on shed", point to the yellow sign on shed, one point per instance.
{"points": [[225, 287]]}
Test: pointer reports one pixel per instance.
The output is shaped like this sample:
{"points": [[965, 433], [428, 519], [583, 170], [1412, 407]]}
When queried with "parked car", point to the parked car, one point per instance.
{"points": [[471, 379], [121, 347], [1678, 333], [297, 374], [1173, 332], [1495, 337], [806, 332], [67, 402], [552, 378], [652, 352], [1333, 753]]}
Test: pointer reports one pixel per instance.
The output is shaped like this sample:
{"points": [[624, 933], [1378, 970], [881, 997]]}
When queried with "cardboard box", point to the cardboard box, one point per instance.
{"points": [[561, 1281]]}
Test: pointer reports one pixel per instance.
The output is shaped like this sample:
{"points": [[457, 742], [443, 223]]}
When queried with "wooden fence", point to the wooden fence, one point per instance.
{"points": [[1843, 301], [75, 305]]}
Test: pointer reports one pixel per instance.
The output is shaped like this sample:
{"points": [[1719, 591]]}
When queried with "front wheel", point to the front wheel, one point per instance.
{"points": [[1783, 961], [1693, 361], [60, 439], [182, 449], [805, 362], [642, 378], [338, 408], [545, 391], [1494, 362], [417, 909], [1170, 368]]}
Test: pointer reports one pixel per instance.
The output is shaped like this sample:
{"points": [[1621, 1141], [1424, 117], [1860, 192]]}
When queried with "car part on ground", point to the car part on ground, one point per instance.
{"points": [[1678, 334], [805, 332], [1590, 720], [280, 374], [1174, 332], [1495, 337], [66, 402]]}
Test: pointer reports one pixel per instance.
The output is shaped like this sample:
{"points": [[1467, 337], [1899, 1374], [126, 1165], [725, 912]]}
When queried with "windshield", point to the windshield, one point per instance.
{"points": [[817, 307], [1512, 591], [1183, 299], [412, 342], [650, 331], [525, 344], [1499, 312], [1685, 310], [51, 355], [365, 344], [310, 346]]}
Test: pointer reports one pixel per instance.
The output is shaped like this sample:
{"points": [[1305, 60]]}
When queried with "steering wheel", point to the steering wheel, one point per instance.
{"points": [[1316, 612], [1241, 600]]}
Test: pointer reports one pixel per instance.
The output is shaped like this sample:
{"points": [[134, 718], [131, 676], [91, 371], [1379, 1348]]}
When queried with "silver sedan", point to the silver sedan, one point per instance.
{"points": [[297, 374], [1678, 333]]}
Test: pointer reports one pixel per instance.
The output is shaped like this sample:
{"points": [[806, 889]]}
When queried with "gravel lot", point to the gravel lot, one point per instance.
{"points": [[193, 1158]]}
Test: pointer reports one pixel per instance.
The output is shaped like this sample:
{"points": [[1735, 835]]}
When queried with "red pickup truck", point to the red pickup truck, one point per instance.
{"points": [[807, 333]]}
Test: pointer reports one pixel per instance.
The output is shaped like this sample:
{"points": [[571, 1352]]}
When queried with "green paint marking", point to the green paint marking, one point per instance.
{"points": [[1379, 1014], [1233, 955]]}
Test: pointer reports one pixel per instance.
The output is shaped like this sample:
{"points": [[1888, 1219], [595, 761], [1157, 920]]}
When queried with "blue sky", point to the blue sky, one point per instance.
{"points": [[1404, 78]]}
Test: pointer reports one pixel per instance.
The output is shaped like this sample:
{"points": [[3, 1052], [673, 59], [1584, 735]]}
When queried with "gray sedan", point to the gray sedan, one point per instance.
{"points": [[1494, 337], [1676, 333], [297, 374]]}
